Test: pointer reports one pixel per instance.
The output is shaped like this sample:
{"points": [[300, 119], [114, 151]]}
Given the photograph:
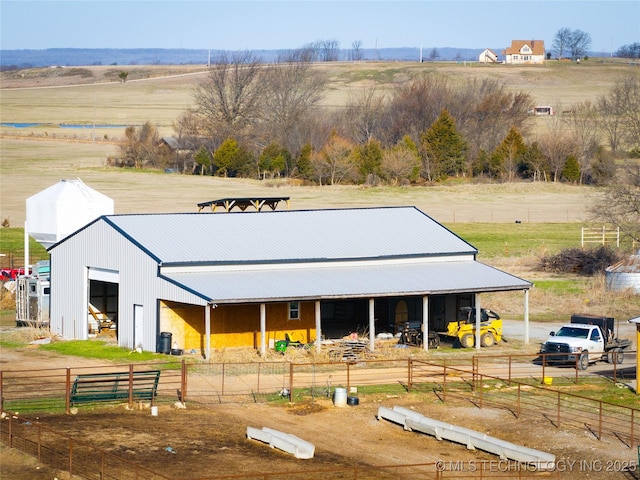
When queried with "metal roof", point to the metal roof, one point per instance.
{"points": [[334, 282], [289, 236]]}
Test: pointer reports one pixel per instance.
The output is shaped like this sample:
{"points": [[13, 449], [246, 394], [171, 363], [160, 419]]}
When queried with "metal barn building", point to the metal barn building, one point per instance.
{"points": [[217, 280]]}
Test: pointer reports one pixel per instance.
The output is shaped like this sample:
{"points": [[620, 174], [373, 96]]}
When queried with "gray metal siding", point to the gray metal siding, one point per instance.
{"points": [[100, 246]]}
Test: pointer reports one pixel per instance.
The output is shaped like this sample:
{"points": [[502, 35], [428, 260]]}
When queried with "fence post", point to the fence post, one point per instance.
{"points": [[258, 379], [600, 421], [70, 457], [558, 417], [409, 374], [481, 391], [183, 382], [222, 386], [348, 376], [131, 385], [67, 395], [474, 373], [632, 420], [518, 403], [290, 382], [510, 370], [444, 381], [39, 443]]}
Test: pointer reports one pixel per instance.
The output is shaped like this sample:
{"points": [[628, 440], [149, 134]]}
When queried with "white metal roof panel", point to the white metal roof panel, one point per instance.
{"points": [[293, 235], [352, 281]]}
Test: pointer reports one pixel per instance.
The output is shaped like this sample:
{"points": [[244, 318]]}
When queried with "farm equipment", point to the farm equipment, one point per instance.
{"points": [[282, 345], [464, 330], [411, 334]]}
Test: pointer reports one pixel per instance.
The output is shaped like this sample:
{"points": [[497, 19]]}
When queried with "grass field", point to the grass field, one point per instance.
{"points": [[511, 224]]}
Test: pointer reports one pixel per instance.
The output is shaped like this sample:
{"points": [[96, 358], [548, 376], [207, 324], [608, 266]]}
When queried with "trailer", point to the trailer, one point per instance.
{"points": [[32, 297]]}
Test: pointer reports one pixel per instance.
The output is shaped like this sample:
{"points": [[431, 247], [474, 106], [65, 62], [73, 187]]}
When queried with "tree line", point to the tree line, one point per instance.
{"points": [[253, 119]]}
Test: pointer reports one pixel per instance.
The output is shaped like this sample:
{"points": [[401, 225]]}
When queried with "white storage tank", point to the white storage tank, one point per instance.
{"points": [[62, 209], [624, 275]]}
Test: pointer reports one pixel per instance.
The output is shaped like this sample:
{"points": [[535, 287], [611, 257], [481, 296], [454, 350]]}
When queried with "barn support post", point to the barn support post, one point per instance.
{"points": [[372, 324], [207, 331], [478, 320], [263, 329], [318, 327], [526, 317], [425, 323]]}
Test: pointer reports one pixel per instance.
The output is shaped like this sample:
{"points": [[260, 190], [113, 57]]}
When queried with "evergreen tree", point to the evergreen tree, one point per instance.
{"points": [[444, 147], [203, 159], [225, 156], [369, 160], [274, 160], [508, 155], [304, 166], [571, 170]]}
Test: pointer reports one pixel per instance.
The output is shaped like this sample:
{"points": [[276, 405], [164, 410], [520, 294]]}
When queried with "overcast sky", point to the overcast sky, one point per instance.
{"points": [[266, 24]]}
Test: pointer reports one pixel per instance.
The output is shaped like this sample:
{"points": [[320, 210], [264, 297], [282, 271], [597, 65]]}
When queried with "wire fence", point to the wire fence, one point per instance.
{"points": [[518, 384]]}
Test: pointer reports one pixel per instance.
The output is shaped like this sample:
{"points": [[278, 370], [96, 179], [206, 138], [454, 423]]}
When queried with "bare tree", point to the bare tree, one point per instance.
{"points": [[434, 55], [620, 203], [557, 144], [620, 113], [141, 147], [356, 51], [579, 44], [561, 42], [401, 163], [413, 107], [230, 98], [363, 114], [329, 50], [292, 90], [335, 161], [583, 122]]}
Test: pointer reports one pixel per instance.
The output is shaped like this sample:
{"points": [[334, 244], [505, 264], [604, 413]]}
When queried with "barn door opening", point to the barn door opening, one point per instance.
{"points": [[103, 302]]}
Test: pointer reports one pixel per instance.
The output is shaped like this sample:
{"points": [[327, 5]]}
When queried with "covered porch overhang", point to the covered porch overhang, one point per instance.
{"points": [[370, 281]]}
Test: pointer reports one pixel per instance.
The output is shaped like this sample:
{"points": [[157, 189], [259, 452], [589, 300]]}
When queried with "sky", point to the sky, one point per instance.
{"points": [[273, 25]]}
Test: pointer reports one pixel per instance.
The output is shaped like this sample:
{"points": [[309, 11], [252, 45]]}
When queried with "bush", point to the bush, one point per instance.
{"points": [[579, 260]]}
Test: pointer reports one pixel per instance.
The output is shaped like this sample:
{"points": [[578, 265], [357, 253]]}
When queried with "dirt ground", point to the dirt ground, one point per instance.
{"points": [[198, 441]]}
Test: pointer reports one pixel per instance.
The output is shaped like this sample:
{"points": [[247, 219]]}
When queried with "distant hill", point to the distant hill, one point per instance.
{"points": [[158, 56]]}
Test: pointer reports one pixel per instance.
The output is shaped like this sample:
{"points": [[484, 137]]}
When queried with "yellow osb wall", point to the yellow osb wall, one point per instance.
{"points": [[235, 325]]}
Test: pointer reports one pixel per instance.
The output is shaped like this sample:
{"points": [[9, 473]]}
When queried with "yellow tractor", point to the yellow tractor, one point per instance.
{"points": [[465, 328]]}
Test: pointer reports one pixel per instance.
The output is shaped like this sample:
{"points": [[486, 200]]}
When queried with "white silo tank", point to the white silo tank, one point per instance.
{"points": [[63, 208], [624, 275]]}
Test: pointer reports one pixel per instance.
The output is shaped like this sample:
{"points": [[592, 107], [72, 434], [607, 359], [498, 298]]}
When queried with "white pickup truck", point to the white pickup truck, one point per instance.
{"points": [[587, 339]]}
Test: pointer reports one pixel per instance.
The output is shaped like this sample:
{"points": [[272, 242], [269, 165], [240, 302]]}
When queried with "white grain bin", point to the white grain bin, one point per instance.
{"points": [[624, 275], [63, 208]]}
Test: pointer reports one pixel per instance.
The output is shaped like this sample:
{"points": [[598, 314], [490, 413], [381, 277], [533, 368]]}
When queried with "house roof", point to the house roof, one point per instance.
{"points": [[289, 236], [537, 47]]}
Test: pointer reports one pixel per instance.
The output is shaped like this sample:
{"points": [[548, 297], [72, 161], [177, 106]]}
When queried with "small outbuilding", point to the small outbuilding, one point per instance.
{"points": [[624, 275], [488, 56], [219, 280]]}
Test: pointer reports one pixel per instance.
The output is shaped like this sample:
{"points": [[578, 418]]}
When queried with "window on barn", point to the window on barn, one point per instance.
{"points": [[294, 310]]}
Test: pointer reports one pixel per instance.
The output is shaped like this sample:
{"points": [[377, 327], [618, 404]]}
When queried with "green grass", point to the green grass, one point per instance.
{"points": [[564, 286], [12, 242], [100, 350], [516, 240]]}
